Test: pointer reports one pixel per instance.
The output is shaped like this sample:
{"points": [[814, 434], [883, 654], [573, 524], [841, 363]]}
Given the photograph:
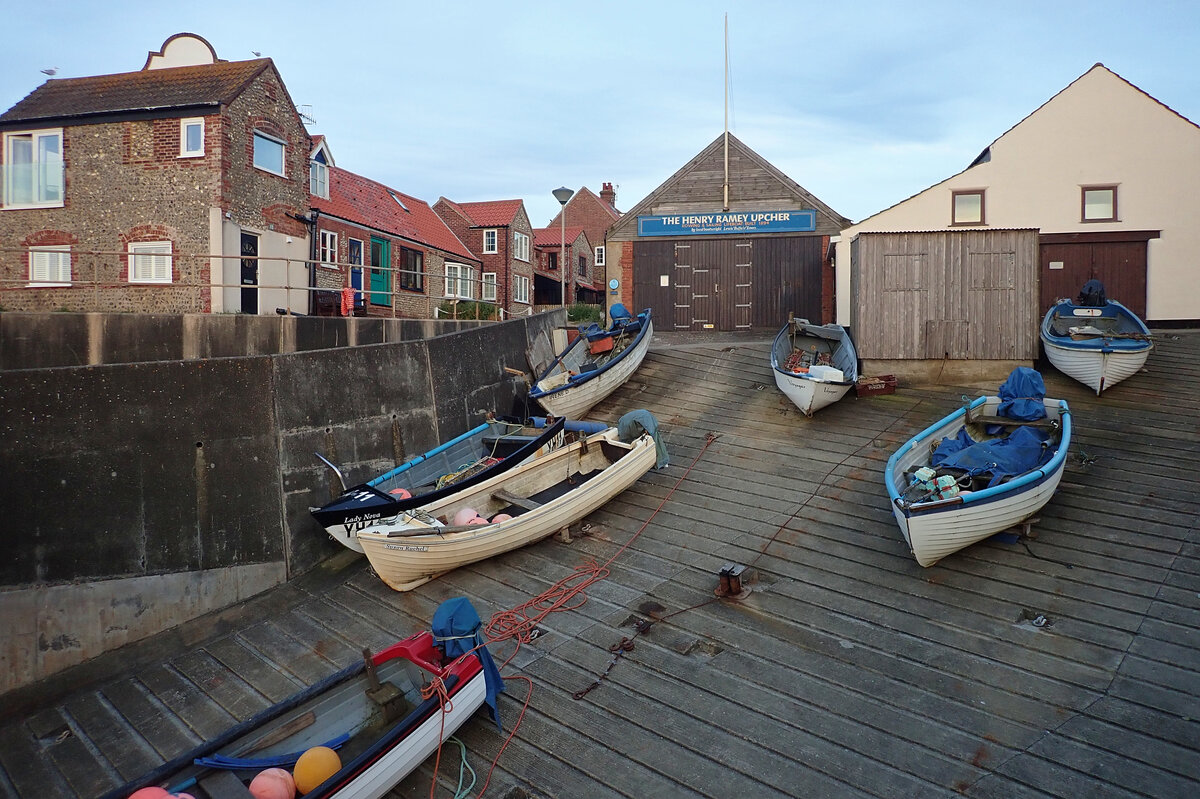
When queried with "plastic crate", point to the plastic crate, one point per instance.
{"points": [[871, 386]]}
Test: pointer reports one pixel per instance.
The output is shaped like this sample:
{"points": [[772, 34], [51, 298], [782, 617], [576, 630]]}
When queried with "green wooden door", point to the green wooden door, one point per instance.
{"points": [[381, 279]]}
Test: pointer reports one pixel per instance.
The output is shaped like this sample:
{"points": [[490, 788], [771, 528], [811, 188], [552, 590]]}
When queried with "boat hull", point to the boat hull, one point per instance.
{"points": [[935, 529], [410, 552], [377, 750], [368, 503], [800, 378], [1098, 345], [1095, 368], [585, 391]]}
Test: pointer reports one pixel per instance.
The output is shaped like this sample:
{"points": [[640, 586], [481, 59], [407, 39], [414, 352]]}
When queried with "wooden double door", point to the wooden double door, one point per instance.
{"points": [[728, 284], [1116, 259]]}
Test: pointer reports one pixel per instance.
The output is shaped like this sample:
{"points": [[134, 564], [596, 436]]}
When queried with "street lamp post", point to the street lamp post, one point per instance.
{"points": [[562, 195]]}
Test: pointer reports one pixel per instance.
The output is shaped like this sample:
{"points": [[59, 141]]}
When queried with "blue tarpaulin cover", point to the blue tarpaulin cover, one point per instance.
{"points": [[456, 626], [1021, 452], [633, 424], [1022, 394]]}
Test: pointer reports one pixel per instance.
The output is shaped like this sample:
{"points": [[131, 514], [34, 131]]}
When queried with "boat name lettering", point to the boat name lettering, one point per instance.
{"points": [[406, 547], [361, 520]]}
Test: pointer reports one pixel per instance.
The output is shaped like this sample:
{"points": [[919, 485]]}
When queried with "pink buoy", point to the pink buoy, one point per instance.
{"points": [[151, 792], [500, 517], [273, 783], [400, 493], [465, 516], [478, 520]]}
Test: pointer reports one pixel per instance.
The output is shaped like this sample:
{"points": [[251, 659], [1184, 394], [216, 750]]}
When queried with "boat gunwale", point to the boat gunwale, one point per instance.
{"points": [[587, 377]]}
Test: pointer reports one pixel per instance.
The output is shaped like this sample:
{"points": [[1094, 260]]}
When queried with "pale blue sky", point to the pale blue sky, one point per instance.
{"points": [[862, 103]]}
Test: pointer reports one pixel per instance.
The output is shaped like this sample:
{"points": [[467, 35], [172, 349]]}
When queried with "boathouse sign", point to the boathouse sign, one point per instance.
{"points": [[730, 222]]}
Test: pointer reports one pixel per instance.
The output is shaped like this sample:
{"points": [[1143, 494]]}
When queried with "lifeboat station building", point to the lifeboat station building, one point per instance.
{"points": [[727, 243]]}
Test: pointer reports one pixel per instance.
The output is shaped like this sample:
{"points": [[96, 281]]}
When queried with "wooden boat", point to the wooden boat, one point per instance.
{"points": [[490, 449], [814, 365], [594, 365], [966, 498], [373, 713], [524, 505], [1094, 340]]}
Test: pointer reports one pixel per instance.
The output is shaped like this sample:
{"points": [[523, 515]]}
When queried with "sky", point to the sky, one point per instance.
{"points": [[862, 103]]}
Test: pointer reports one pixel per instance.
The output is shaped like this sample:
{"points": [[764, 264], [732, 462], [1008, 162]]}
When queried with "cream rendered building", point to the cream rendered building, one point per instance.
{"points": [[1101, 161]]}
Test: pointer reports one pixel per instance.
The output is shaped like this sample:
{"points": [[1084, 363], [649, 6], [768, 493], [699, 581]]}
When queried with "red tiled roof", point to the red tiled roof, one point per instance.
{"points": [[149, 90], [493, 213], [358, 199], [547, 236]]}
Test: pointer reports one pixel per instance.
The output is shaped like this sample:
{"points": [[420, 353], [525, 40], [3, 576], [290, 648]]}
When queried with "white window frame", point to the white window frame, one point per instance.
{"points": [[258, 134], [42, 175], [521, 246], [599, 256], [152, 256], [328, 249], [184, 124], [460, 281], [55, 262], [521, 289], [487, 289], [495, 244], [318, 179]]}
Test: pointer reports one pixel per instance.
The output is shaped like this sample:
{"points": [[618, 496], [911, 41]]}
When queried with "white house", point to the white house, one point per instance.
{"points": [[1107, 176]]}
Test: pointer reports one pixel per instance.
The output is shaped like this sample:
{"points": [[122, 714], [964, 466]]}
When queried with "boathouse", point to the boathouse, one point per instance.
{"points": [[729, 242]]}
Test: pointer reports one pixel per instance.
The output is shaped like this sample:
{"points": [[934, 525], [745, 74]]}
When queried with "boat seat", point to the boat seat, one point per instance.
{"points": [[225, 785], [513, 499]]}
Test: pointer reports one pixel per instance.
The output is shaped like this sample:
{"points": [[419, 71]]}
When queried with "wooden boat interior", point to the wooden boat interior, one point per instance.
{"points": [[806, 346], [529, 488]]}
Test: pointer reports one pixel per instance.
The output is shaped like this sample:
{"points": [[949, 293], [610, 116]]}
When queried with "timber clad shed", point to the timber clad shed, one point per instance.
{"points": [[728, 242], [945, 295]]}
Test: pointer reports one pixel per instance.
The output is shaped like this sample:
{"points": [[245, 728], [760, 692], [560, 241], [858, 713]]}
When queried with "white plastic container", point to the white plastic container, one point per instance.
{"points": [[826, 373]]}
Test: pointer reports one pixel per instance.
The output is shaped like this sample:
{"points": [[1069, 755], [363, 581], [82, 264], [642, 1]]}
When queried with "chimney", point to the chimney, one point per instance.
{"points": [[608, 195]]}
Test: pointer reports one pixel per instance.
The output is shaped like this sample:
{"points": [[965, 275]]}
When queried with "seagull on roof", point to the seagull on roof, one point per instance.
{"points": [[256, 54], [51, 71]]}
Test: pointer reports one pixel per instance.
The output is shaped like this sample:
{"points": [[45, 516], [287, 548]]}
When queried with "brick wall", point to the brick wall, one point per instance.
{"points": [[126, 182]]}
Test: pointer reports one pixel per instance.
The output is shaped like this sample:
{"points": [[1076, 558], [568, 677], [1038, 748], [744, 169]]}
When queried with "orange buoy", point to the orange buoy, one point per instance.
{"points": [[314, 767]]}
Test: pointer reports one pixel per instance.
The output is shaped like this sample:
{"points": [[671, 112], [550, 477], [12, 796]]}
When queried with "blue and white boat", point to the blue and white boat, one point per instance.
{"points": [[594, 365], [988, 466], [814, 365], [492, 448], [1094, 340]]}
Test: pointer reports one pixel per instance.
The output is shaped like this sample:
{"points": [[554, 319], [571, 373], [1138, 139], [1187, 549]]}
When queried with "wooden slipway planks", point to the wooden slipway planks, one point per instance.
{"points": [[848, 671]]}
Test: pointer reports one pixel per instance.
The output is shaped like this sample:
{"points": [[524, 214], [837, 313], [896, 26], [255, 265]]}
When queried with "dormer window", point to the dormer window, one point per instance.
{"points": [[191, 137], [318, 176]]}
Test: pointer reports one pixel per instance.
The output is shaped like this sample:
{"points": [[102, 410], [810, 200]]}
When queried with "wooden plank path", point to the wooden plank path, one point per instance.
{"points": [[849, 670]]}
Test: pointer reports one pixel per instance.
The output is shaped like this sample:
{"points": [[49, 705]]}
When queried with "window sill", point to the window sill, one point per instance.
{"points": [[31, 206], [191, 155], [1096, 221], [330, 267], [150, 282], [47, 285], [264, 170]]}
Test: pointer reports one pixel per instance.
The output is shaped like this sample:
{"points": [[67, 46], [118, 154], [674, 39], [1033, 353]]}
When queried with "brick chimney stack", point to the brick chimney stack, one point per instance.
{"points": [[608, 195]]}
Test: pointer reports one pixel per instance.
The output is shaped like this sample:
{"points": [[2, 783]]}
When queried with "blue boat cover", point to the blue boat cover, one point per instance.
{"points": [[1021, 452], [456, 626], [1021, 395], [619, 311], [634, 423]]}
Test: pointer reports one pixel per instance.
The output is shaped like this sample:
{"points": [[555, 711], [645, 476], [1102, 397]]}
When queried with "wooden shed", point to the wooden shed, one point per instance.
{"points": [[729, 242], [946, 296]]}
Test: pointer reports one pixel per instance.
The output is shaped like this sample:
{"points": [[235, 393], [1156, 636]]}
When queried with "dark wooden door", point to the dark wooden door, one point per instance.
{"points": [[654, 282], [1070, 260], [249, 250]]}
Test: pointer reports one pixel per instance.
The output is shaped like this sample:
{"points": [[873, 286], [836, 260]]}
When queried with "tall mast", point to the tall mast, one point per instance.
{"points": [[725, 188]]}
